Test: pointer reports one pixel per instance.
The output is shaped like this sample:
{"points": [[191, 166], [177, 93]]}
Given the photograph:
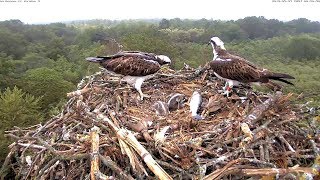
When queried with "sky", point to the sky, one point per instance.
{"points": [[46, 11]]}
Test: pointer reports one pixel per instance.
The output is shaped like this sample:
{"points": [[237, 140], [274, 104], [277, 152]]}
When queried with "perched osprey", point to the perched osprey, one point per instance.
{"points": [[235, 70], [134, 65]]}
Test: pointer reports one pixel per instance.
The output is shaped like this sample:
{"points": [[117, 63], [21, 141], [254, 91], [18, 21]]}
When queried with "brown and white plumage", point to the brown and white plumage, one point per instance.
{"points": [[161, 108], [234, 69], [176, 101], [136, 66]]}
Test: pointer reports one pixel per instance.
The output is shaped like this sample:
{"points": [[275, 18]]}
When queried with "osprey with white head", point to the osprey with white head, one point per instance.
{"points": [[235, 70], [164, 58], [216, 42]]}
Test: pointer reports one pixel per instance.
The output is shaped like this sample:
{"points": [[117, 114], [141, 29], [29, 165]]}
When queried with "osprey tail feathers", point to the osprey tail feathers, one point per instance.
{"points": [[281, 77]]}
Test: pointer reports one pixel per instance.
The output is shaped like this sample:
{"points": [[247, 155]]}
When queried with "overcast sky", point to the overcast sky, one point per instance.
{"points": [[45, 11]]}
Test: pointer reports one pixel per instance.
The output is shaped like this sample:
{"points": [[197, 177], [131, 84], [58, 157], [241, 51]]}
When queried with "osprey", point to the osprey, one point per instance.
{"points": [[161, 108], [235, 70], [134, 65], [176, 101]]}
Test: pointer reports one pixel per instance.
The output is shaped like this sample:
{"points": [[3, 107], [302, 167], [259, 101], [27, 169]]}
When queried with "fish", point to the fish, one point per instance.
{"points": [[195, 104]]}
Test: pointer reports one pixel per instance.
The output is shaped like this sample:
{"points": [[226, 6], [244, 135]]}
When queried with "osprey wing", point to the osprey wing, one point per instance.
{"points": [[132, 65], [236, 69]]}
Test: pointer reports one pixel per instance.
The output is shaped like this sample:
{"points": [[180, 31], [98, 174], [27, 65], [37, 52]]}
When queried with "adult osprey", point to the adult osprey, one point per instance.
{"points": [[235, 70], [134, 65]]}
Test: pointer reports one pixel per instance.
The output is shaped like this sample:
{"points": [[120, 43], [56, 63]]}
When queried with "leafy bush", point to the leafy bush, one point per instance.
{"points": [[48, 84], [17, 108]]}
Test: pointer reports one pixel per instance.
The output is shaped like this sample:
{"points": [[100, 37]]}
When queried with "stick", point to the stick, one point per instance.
{"points": [[217, 172], [49, 164], [276, 171], [94, 152], [285, 142], [5, 165], [112, 165], [78, 92]]}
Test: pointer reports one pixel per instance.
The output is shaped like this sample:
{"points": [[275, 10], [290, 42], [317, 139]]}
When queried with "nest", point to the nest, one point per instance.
{"points": [[105, 132]]}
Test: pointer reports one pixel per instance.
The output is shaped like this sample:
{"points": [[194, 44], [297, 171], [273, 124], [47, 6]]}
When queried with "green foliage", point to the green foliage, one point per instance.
{"points": [[48, 84], [303, 47], [164, 24], [6, 67], [68, 70], [12, 43], [31, 61], [193, 54], [229, 31], [55, 48], [17, 109], [183, 36], [149, 43], [88, 35], [303, 25], [256, 27]]}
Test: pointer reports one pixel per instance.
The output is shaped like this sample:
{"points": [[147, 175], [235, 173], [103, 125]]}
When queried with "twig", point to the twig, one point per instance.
{"points": [[285, 142], [47, 166], [216, 173], [112, 165], [275, 171], [5, 165]]}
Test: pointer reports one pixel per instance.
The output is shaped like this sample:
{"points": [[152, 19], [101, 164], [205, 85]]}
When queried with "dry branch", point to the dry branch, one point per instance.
{"points": [[94, 152], [275, 171]]}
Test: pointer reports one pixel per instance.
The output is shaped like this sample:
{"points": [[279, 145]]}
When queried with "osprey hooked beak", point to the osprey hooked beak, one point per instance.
{"points": [[216, 41], [212, 42]]}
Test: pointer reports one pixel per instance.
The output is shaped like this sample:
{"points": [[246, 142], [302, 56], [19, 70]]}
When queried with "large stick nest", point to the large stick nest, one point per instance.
{"points": [[264, 135]]}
